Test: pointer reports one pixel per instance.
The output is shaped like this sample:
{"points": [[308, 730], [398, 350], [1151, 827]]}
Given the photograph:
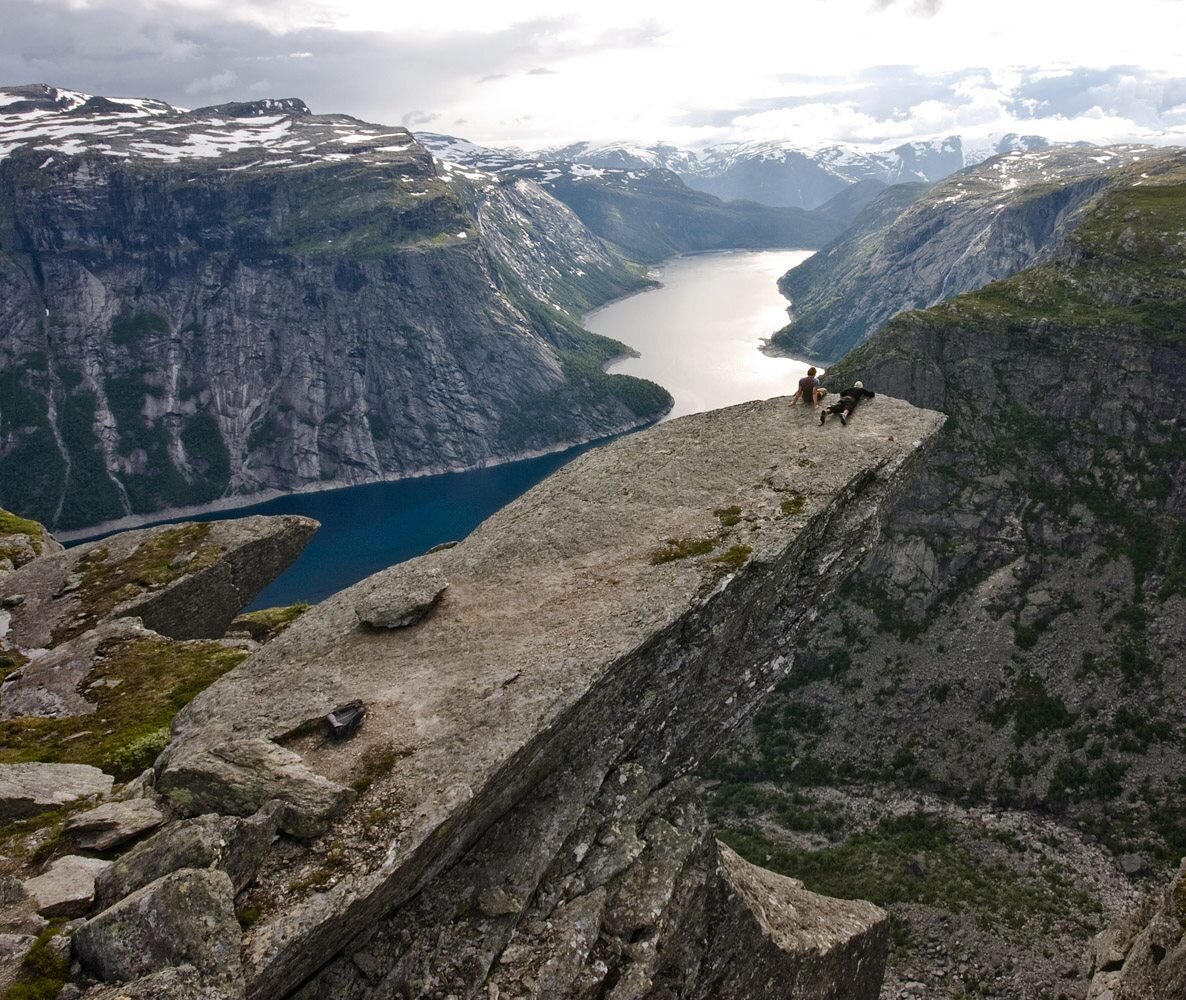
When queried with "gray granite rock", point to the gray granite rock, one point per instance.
{"points": [[51, 684], [29, 789], [237, 846], [516, 675], [182, 982], [187, 917], [238, 777], [14, 946], [1144, 956], [237, 559], [67, 888], [403, 599], [112, 824]]}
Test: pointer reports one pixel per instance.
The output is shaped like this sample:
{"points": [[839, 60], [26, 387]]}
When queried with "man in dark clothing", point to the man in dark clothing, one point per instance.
{"points": [[808, 391], [847, 402]]}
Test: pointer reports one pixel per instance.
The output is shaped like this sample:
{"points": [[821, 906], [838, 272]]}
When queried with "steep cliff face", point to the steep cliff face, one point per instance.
{"points": [[912, 248], [517, 814], [1015, 639], [197, 305]]}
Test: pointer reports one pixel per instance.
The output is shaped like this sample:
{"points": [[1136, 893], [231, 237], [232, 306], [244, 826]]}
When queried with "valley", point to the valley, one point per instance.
{"points": [[738, 704]]}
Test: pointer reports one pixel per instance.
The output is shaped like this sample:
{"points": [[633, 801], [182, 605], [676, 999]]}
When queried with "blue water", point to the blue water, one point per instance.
{"points": [[699, 337], [367, 528]]}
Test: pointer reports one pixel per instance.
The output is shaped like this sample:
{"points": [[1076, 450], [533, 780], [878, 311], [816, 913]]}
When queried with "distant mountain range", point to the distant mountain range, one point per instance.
{"points": [[775, 173], [916, 245]]}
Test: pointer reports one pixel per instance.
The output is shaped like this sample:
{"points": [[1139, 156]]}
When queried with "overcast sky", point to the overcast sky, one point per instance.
{"points": [[530, 73]]}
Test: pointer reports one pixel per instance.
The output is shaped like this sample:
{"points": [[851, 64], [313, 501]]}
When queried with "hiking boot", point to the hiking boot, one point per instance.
{"points": [[822, 415], [844, 419]]}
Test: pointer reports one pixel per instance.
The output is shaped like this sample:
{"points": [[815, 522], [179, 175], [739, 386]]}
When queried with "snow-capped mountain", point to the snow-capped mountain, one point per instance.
{"points": [[209, 303], [256, 134], [779, 173]]}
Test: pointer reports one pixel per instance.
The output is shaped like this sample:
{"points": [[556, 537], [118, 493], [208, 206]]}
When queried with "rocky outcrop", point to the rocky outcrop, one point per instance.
{"points": [[1144, 958], [311, 303], [29, 789], [404, 602], [236, 846], [104, 691], [112, 824], [520, 786], [183, 581], [237, 777], [913, 247], [22, 541]]}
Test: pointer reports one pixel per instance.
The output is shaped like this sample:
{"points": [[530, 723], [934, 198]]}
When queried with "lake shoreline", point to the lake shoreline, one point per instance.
{"points": [[240, 502]]}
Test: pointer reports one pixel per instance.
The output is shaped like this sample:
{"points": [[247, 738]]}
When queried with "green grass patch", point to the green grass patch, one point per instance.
{"points": [[794, 505], [43, 971], [734, 557], [268, 623], [147, 681], [682, 548], [728, 516]]}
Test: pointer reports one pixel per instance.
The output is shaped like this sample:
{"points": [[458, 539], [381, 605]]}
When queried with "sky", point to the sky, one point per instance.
{"points": [[533, 73]]}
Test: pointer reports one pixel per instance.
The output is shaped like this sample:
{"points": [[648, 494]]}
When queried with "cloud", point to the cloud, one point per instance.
{"points": [[919, 8], [219, 83], [541, 71], [491, 77], [421, 118]]}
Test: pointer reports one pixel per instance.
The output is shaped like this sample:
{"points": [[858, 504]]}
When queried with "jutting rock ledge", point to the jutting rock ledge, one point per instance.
{"points": [[518, 815]]}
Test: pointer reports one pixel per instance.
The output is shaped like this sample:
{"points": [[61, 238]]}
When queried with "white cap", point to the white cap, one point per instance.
{"points": [[858, 385]]}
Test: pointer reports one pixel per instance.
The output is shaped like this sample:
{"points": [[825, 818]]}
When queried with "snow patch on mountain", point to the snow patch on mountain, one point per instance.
{"points": [[266, 133]]}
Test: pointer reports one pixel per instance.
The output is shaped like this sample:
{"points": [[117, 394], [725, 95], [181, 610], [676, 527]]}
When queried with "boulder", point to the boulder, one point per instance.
{"points": [[402, 598], [238, 777], [237, 846], [29, 789], [112, 824], [187, 917], [67, 889]]}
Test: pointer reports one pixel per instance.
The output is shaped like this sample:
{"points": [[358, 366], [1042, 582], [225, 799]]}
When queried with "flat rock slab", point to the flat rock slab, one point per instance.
{"points": [[187, 917], [553, 601], [67, 889], [66, 593], [405, 599], [112, 824], [29, 789]]}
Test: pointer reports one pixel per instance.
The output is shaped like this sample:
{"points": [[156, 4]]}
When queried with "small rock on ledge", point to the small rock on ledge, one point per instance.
{"points": [[404, 599]]}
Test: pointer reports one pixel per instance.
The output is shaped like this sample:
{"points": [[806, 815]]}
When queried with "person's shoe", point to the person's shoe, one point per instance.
{"points": [[822, 415], [844, 420]]}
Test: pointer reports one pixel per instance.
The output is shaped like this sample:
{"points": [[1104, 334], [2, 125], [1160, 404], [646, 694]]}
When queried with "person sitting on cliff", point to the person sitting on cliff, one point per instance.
{"points": [[847, 402], [808, 389]]}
